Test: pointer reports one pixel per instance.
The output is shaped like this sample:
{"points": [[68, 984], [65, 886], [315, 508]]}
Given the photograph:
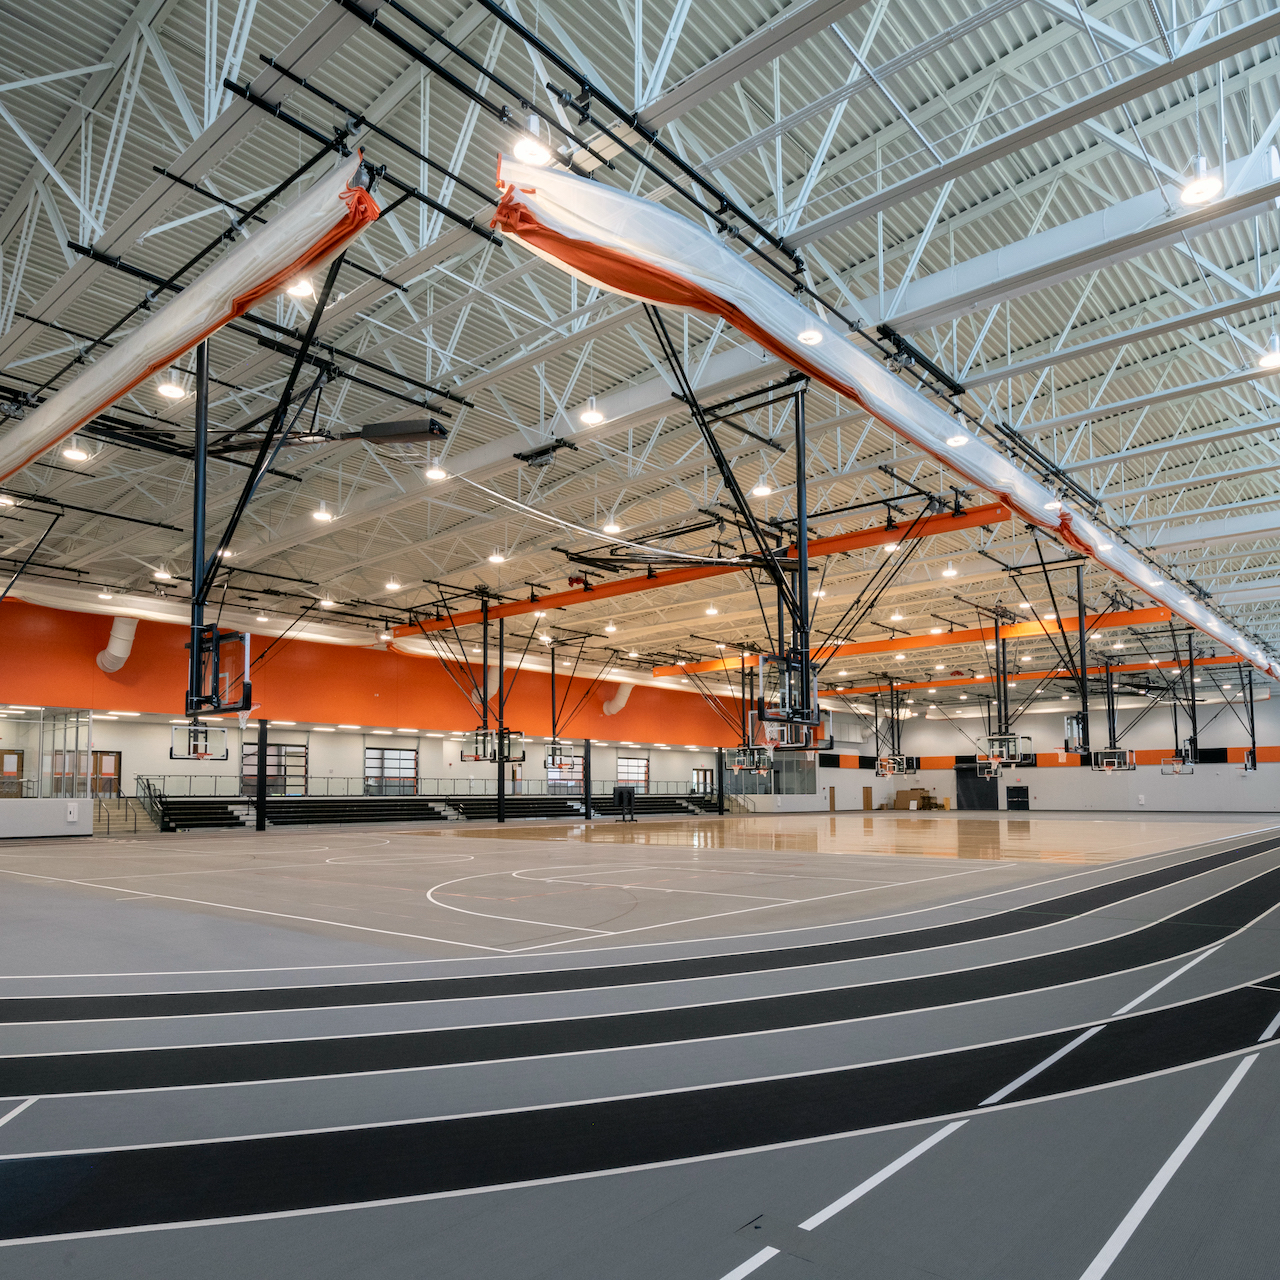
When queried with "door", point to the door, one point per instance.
{"points": [[10, 775], [105, 778], [1018, 797], [973, 792], [831, 799], [868, 801]]}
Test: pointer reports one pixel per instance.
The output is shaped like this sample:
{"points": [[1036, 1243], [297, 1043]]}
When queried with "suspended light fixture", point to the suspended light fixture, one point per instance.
{"points": [[172, 390], [75, 451], [810, 337], [392, 584], [384, 635], [612, 527], [104, 594], [1055, 505], [895, 616], [302, 289], [1270, 358], [162, 574], [610, 627], [1203, 185], [322, 513], [762, 488], [633, 654], [957, 441], [497, 557], [530, 149], [5, 500], [712, 611], [435, 471], [890, 548], [328, 602], [591, 416], [950, 571], [262, 617]]}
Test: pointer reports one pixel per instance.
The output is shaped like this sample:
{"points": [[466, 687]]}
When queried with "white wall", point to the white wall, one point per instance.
{"points": [[27, 818]]}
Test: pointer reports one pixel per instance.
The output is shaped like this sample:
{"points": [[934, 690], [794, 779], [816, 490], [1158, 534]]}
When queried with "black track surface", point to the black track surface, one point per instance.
{"points": [[189, 1003], [1198, 926], [49, 1195]]}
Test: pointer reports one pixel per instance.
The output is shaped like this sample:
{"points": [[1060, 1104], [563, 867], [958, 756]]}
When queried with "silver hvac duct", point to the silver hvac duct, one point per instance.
{"points": [[119, 645]]}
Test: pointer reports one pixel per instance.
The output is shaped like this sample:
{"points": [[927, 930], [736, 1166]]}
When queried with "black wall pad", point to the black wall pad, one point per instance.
{"points": [[102, 1190], [190, 1003], [1199, 926]]}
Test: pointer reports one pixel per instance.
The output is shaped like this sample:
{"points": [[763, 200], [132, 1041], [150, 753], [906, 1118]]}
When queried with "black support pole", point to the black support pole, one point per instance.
{"points": [[720, 781], [800, 628], [502, 700], [198, 502], [586, 775], [1194, 741], [1083, 664], [484, 659], [260, 797]]}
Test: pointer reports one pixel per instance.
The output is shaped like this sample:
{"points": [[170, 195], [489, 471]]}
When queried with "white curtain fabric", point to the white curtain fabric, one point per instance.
{"points": [[303, 238], [591, 215]]}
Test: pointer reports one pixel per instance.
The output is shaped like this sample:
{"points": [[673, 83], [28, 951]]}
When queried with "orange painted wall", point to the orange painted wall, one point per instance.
{"points": [[47, 659]]}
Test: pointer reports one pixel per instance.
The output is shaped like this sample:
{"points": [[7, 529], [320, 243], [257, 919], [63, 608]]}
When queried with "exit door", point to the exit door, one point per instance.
{"points": [[973, 792], [105, 778], [10, 774]]}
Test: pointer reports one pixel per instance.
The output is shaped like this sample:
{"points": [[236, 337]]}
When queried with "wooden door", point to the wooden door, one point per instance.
{"points": [[868, 801], [831, 799], [105, 778]]}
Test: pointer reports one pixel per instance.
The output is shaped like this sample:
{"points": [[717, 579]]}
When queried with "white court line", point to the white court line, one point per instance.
{"points": [[756, 1260], [1001, 1094], [1133, 1219], [1164, 982], [256, 911], [1048, 883], [18, 1110], [653, 888], [870, 1184]]}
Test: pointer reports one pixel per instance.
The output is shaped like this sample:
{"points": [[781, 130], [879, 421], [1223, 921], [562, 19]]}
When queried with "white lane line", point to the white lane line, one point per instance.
{"points": [[1164, 982], [18, 1110], [1001, 1094], [1133, 1219], [876, 1179], [756, 1260], [1272, 1027]]}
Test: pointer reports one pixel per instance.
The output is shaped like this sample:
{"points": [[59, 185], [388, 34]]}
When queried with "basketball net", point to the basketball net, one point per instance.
{"points": [[243, 716]]}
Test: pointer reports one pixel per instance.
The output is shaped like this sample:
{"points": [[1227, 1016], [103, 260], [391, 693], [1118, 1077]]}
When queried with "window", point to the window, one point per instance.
{"points": [[703, 782], [286, 768], [390, 771], [633, 771]]}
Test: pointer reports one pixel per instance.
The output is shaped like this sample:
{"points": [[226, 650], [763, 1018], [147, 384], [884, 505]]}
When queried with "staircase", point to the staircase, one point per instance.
{"points": [[120, 816]]}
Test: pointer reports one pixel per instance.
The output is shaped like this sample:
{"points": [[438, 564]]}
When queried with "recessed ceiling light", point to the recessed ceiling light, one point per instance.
{"points": [[124, 713], [284, 723], [348, 726], [323, 728]]}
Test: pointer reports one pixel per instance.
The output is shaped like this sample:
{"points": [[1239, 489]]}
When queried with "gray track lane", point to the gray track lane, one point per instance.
{"points": [[1030, 1191], [58, 1123]]}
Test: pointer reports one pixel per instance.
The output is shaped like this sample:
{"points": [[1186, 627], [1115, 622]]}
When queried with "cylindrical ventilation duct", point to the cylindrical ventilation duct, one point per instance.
{"points": [[119, 646], [619, 700]]}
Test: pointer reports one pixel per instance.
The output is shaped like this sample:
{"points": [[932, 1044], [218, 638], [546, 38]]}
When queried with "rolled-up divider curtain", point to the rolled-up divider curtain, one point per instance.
{"points": [[304, 237], [637, 248]]}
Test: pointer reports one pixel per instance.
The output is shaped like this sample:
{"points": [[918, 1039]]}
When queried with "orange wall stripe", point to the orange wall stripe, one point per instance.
{"points": [[49, 661], [991, 513]]}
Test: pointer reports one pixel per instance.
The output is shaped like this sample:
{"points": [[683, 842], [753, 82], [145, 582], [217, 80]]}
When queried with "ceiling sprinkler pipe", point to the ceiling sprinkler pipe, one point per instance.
{"points": [[304, 238]]}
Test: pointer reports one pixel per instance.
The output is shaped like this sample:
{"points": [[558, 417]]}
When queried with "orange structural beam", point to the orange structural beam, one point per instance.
{"points": [[930, 527], [1055, 673], [948, 639]]}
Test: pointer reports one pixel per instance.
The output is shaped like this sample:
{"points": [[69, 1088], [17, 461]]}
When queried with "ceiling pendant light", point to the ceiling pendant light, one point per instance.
{"points": [[612, 527], [301, 289], [530, 149], [322, 513], [1203, 185], [328, 602], [435, 471], [1270, 358], [75, 451], [950, 571], [162, 574], [172, 390], [762, 489], [392, 583], [810, 337], [497, 557], [610, 627], [591, 416], [712, 611], [262, 617]]}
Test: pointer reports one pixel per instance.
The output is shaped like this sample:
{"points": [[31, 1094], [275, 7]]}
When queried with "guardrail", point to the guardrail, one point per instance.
{"points": [[153, 787]]}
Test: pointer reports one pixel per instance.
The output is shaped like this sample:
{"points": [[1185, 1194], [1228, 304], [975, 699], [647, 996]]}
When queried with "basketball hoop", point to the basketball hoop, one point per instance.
{"points": [[243, 716]]}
